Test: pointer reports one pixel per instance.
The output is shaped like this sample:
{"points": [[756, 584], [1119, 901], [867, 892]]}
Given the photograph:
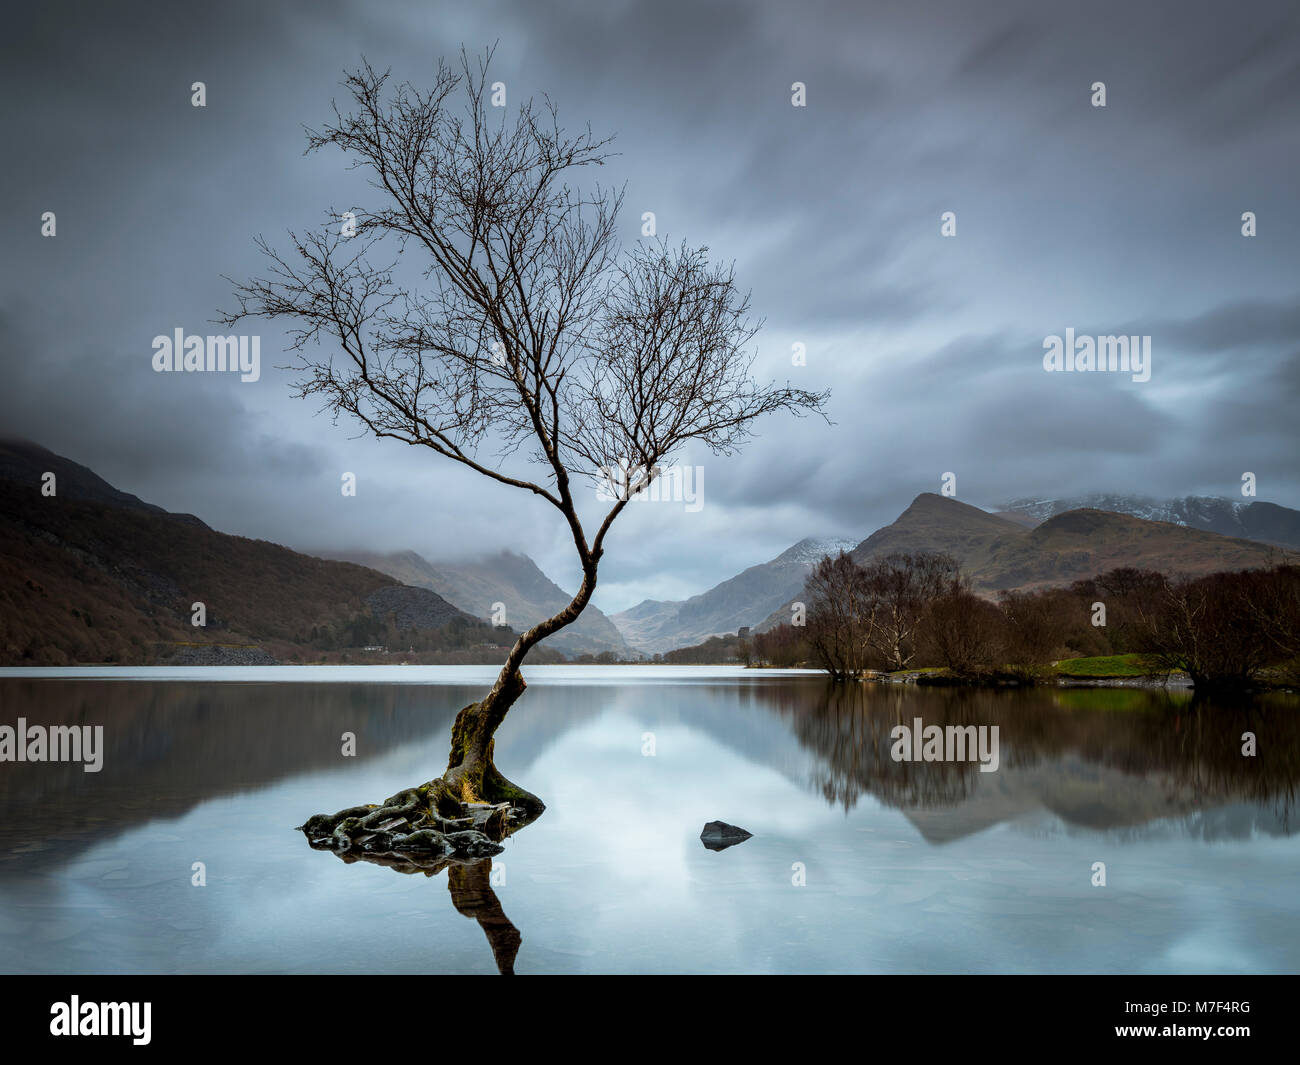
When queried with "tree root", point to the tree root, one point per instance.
{"points": [[415, 822], [462, 815]]}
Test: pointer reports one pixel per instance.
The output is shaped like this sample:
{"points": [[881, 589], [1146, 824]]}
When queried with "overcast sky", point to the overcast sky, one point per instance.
{"points": [[1122, 219]]}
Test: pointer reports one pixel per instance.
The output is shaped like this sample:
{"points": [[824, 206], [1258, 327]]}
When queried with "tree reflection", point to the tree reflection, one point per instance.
{"points": [[469, 880], [1189, 748]]}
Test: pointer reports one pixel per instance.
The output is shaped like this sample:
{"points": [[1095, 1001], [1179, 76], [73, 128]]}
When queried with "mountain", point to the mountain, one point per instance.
{"points": [[1069, 546], [93, 574], [999, 552], [1081, 543], [745, 599], [476, 586], [937, 523], [1265, 522], [24, 462]]}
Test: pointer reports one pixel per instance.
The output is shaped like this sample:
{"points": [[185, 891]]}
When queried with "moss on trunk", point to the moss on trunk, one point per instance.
{"points": [[463, 813]]}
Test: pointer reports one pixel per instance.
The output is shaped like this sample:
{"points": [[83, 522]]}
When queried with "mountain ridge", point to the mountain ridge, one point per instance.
{"points": [[1000, 553], [93, 574], [507, 577], [658, 625], [1250, 520]]}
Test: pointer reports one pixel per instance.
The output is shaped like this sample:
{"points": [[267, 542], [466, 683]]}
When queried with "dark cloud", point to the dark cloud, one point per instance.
{"points": [[1234, 326]]}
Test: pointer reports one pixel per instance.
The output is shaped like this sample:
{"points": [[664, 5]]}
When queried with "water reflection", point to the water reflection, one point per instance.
{"points": [[468, 879], [470, 884], [172, 746], [96, 866], [1164, 753]]}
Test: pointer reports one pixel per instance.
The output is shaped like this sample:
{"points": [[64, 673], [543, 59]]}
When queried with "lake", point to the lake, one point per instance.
{"points": [[858, 863]]}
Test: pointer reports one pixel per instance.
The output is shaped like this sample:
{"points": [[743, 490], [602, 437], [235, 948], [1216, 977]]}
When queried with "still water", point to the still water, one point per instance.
{"points": [[858, 863]]}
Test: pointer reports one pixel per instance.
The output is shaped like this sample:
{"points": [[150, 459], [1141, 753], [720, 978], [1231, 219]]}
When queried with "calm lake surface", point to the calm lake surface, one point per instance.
{"points": [[909, 867]]}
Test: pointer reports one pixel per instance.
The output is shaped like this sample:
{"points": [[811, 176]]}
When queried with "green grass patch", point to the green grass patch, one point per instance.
{"points": [[1107, 666]]}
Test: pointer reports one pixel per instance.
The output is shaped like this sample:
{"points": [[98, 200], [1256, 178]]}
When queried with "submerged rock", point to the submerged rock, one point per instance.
{"points": [[718, 835]]}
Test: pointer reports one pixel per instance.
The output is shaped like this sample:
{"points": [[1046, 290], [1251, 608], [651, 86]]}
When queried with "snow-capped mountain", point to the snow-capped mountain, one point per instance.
{"points": [[1264, 522], [811, 550]]}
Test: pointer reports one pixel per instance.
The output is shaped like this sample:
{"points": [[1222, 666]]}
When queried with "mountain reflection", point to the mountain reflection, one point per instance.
{"points": [[1101, 758]]}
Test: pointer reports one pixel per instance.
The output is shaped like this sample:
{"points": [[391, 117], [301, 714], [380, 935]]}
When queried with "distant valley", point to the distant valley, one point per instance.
{"points": [[96, 574], [513, 580], [746, 599]]}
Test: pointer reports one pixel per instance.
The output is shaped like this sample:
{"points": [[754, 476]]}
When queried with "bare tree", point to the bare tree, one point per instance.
{"points": [[839, 618], [1033, 631], [864, 616], [524, 331], [1213, 627], [961, 631], [1275, 610], [899, 589]]}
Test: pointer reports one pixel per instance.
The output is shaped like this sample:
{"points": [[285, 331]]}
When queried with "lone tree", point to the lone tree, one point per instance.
{"points": [[526, 344]]}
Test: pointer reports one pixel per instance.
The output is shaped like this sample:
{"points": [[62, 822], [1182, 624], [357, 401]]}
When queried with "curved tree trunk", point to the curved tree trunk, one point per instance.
{"points": [[471, 775], [472, 806]]}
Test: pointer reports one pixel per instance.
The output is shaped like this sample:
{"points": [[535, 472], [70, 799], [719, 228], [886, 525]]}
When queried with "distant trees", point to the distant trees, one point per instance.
{"points": [[962, 631], [1129, 595], [1277, 611], [603, 658], [1032, 630], [714, 650], [900, 589], [1223, 630], [785, 647], [863, 617], [908, 610]]}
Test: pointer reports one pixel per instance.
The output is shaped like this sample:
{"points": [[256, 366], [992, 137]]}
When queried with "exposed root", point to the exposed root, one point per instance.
{"points": [[464, 814], [410, 823]]}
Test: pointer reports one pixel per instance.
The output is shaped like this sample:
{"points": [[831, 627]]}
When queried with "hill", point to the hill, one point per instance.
{"points": [[27, 463], [93, 574], [1000, 553], [1265, 522]]}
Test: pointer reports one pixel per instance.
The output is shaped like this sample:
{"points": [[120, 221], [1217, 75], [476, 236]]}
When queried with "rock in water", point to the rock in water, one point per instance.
{"points": [[718, 835]]}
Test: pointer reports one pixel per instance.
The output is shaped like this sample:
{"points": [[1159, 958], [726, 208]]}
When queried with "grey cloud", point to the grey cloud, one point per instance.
{"points": [[1118, 220]]}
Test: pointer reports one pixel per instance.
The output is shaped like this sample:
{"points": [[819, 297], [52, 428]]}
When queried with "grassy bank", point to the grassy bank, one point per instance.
{"points": [[1107, 667]]}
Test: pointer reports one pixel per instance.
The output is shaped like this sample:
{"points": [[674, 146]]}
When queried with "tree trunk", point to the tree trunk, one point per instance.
{"points": [[471, 775]]}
